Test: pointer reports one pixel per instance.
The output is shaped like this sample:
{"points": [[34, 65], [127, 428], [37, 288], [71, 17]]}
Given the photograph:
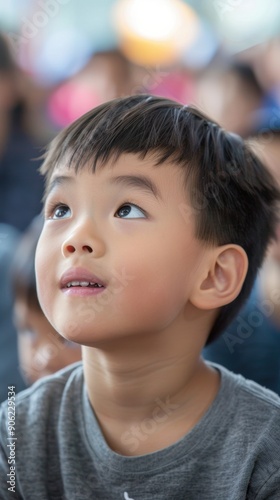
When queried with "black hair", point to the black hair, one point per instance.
{"points": [[23, 268], [234, 197]]}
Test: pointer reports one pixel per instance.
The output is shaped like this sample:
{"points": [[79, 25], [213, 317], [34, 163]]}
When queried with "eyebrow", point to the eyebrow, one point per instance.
{"points": [[58, 181], [137, 181]]}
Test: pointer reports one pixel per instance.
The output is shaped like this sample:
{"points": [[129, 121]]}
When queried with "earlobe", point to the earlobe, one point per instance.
{"points": [[222, 277]]}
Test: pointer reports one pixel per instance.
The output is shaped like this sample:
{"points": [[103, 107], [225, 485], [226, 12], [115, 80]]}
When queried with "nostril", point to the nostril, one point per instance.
{"points": [[70, 248], [88, 248]]}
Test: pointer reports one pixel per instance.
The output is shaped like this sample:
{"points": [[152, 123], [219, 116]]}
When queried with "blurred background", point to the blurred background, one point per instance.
{"points": [[60, 58], [71, 55]]}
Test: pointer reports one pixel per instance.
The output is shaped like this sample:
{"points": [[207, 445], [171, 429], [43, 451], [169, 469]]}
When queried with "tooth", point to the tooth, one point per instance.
{"points": [[92, 283], [83, 283]]}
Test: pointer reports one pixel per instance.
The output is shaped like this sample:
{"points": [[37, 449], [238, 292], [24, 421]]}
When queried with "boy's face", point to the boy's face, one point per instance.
{"points": [[123, 227]]}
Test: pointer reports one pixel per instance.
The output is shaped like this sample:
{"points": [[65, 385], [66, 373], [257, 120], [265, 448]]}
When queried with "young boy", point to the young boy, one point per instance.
{"points": [[156, 222]]}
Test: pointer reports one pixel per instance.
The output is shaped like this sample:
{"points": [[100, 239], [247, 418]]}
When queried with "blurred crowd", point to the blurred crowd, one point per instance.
{"points": [[241, 92]]}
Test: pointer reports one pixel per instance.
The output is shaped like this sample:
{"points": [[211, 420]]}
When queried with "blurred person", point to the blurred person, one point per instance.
{"points": [[21, 186], [42, 350], [251, 344], [267, 146], [264, 58], [108, 74], [230, 94], [9, 362]]}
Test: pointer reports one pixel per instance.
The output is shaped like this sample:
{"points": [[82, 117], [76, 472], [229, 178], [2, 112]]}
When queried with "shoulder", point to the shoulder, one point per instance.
{"points": [[251, 413], [248, 417], [248, 390], [41, 401]]}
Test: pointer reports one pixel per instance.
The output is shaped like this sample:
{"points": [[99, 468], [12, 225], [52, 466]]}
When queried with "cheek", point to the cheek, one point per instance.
{"points": [[162, 283], [171, 266], [44, 275]]}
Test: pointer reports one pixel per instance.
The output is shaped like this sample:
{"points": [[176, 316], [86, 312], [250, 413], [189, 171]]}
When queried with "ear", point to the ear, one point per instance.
{"points": [[221, 278]]}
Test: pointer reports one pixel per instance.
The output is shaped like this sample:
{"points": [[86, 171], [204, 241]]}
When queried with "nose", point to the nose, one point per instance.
{"points": [[83, 239]]}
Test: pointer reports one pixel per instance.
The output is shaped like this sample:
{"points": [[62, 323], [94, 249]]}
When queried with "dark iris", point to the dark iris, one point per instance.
{"points": [[61, 211], [125, 210]]}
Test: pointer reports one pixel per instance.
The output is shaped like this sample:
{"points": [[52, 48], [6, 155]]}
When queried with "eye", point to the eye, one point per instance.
{"points": [[130, 211], [60, 211]]}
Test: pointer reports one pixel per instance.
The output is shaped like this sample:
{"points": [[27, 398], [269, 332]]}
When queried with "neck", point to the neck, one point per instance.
{"points": [[150, 380]]}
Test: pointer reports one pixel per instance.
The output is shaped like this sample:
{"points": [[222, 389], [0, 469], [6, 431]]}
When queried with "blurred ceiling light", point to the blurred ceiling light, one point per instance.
{"points": [[56, 57], [245, 23], [200, 53], [154, 31]]}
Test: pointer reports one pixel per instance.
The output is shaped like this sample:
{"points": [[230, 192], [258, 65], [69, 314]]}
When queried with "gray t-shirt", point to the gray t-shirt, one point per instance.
{"points": [[233, 453]]}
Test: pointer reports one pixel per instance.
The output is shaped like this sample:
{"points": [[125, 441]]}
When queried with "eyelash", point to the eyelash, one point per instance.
{"points": [[133, 205], [50, 209]]}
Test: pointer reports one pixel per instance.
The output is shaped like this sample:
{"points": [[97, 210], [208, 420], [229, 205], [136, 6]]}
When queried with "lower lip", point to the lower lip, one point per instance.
{"points": [[81, 291]]}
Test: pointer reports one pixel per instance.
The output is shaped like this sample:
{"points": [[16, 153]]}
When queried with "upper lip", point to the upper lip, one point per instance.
{"points": [[79, 274]]}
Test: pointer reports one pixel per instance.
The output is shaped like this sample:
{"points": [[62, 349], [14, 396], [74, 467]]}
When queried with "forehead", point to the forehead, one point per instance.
{"points": [[126, 164]]}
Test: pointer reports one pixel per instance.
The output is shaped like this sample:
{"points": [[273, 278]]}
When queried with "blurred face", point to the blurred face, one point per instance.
{"points": [[41, 350], [270, 149], [7, 91], [116, 258], [227, 100]]}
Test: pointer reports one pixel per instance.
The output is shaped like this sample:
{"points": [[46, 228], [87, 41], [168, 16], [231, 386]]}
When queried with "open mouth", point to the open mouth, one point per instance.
{"points": [[81, 282], [82, 288], [87, 284]]}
